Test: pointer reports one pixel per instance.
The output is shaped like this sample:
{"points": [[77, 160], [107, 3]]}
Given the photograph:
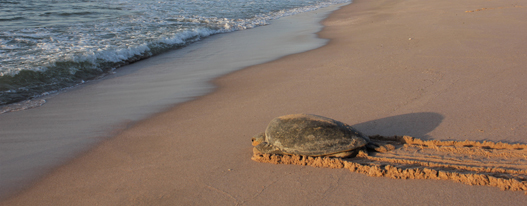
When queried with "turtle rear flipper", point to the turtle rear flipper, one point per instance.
{"points": [[380, 148], [351, 153]]}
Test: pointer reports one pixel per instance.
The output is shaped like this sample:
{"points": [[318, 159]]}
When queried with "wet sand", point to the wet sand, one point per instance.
{"points": [[64, 125], [430, 70]]}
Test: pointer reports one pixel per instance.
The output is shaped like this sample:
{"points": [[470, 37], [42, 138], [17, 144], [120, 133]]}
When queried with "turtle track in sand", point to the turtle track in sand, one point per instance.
{"points": [[495, 164]]}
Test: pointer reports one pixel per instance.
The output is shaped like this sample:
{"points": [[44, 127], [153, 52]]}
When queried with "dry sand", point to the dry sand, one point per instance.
{"points": [[427, 69]]}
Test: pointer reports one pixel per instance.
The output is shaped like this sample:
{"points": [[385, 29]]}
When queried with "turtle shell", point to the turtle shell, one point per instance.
{"points": [[306, 134]]}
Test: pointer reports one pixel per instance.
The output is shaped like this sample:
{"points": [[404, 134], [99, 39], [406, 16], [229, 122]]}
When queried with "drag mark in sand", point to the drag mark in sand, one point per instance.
{"points": [[506, 7], [495, 164]]}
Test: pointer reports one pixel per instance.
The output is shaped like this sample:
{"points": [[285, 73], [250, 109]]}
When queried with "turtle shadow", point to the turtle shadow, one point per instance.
{"points": [[412, 124]]}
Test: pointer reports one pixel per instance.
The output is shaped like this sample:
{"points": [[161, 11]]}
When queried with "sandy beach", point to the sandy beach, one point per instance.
{"points": [[433, 70]]}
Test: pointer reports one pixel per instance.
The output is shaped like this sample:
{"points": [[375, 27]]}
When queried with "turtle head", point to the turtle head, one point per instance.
{"points": [[263, 147], [259, 138]]}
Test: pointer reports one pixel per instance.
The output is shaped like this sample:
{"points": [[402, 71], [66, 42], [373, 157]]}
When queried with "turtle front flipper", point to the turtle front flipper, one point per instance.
{"points": [[266, 148]]}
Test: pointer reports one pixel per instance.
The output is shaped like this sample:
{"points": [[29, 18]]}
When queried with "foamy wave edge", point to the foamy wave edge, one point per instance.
{"points": [[102, 62]]}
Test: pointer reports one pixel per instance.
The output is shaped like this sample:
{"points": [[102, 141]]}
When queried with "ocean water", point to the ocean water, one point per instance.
{"points": [[63, 125], [49, 45]]}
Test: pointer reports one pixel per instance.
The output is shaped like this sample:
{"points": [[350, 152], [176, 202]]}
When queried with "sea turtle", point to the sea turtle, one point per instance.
{"points": [[309, 135]]}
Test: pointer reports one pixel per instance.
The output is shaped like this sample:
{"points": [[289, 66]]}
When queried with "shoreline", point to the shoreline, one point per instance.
{"points": [[422, 69], [80, 118]]}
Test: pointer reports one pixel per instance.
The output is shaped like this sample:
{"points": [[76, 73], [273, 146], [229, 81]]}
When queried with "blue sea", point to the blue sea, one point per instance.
{"points": [[49, 45]]}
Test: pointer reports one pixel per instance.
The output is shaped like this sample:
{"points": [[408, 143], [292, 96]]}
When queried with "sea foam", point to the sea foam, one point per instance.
{"points": [[38, 59]]}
